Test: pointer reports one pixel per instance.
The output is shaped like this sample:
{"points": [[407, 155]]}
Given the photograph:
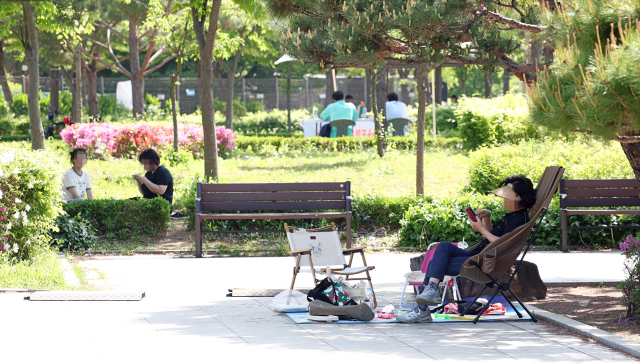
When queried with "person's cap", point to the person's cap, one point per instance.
{"points": [[506, 192]]}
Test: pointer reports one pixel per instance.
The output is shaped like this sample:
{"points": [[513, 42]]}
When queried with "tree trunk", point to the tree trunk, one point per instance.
{"points": [[329, 90], [206, 42], [380, 135], [632, 151], [32, 51], [231, 78], [421, 77], [367, 97], [289, 97], [505, 81], [532, 50], [381, 97], [438, 89], [463, 85], [174, 112], [488, 84], [77, 65], [3, 77], [404, 87], [68, 76], [54, 81], [137, 81]]}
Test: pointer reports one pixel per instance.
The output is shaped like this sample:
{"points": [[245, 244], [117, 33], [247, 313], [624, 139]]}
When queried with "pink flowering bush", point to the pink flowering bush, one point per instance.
{"points": [[127, 140], [630, 248]]}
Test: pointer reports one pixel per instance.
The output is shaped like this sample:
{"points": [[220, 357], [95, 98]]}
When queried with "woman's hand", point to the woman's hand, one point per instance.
{"points": [[482, 213], [477, 225]]}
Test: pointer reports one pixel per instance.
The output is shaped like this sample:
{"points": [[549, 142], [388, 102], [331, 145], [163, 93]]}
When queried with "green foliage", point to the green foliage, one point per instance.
{"points": [[40, 271], [594, 84], [123, 218], [489, 122], [74, 234], [252, 107], [4, 108], [435, 219], [239, 109], [5, 127], [19, 106], [176, 159], [23, 128], [107, 105], [30, 197], [630, 286], [150, 100], [65, 103], [43, 104], [582, 160], [270, 123], [15, 138]]}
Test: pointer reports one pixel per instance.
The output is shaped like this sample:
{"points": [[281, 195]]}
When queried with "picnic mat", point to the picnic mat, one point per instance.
{"points": [[260, 292], [510, 315]]}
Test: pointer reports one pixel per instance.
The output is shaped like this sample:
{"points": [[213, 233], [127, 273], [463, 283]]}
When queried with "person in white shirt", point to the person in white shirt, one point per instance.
{"points": [[76, 183], [396, 109]]}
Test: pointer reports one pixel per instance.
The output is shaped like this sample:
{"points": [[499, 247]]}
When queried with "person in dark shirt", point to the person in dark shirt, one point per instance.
{"points": [[157, 181], [519, 195]]}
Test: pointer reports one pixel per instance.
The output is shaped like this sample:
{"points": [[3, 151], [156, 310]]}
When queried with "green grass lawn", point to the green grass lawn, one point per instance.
{"points": [[393, 175], [43, 271]]}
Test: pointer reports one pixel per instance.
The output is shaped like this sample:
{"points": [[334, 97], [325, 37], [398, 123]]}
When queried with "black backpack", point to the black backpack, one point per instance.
{"points": [[325, 131]]}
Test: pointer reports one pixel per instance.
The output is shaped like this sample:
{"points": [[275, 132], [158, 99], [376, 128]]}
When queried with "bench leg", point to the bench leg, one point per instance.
{"points": [[198, 237], [348, 231], [563, 231]]}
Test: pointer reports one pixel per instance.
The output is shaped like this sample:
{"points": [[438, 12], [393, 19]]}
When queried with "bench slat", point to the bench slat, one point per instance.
{"points": [[600, 183], [274, 215], [602, 192], [599, 202], [275, 187], [603, 212], [273, 196], [266, 206]]}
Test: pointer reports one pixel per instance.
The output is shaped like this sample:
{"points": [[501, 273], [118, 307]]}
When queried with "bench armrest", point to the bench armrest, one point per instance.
{"points": [[352, 251], [301, 251], [198, 205]]}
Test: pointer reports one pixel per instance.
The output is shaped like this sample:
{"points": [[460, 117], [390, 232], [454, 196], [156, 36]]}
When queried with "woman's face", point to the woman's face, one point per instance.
{"points": [[80, 161], [148, 165], [511, 205]]}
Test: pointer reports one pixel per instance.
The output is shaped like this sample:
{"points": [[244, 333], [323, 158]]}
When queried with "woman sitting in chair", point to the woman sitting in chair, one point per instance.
{"points": [[519, 195]]}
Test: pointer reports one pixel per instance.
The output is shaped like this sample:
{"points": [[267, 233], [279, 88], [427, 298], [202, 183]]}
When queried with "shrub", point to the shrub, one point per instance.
{"points": [[65, 103], [23, 128], [271, 122], [4, 108], [175, 159], [150, 100], [29, 198], [630, 286], [255, 106], [19, 106], [43, 104], [107, 105], [5, 127], [74, 234], [123, 218], [239, 109]]}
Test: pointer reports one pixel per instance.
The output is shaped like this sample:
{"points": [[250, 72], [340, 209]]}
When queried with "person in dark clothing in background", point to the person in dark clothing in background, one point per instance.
{"points": [[519, 195], [157, 181]]}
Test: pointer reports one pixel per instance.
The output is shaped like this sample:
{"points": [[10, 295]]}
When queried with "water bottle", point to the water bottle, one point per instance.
{"points": [[463, 244], [368, 297], [363, 112], [315, 112]]}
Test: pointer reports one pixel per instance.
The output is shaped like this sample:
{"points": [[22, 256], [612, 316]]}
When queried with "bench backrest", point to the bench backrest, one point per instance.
{"points": [[274, 196], [599, 193]]}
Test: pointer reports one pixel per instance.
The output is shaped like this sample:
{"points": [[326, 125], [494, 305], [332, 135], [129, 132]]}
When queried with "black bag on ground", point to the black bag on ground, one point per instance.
{"points": [[325, 131], [350, 312], [328, 287], [475, 308]]}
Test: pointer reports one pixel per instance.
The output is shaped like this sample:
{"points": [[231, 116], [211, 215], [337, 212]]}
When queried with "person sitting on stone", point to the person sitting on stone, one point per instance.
{"points": [[339, 109], [519, 195]]}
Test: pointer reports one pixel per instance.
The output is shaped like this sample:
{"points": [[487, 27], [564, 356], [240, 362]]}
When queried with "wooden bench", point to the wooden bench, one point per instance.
{"points": [[597, 193], [248, 201]]}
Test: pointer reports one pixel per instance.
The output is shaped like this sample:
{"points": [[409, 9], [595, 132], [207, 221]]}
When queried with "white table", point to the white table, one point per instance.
{"points": [[363, 128]]}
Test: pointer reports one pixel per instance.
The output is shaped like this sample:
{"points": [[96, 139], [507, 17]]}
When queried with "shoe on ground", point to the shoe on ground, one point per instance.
{"points": [[416, 315], [430, 296]]}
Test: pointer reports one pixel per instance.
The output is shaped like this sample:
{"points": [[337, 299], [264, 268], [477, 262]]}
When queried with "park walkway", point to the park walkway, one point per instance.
{"points": [[186, 317]]}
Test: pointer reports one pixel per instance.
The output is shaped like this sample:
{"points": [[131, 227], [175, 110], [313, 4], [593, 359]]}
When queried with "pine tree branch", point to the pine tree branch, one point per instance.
{"points": [[627, 139], [498, 18]]}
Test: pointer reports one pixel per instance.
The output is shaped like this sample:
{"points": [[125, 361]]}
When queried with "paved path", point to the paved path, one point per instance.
{"points": [[187, 318]]}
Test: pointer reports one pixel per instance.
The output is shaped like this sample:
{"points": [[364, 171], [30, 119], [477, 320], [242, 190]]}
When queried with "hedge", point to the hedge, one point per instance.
{"points": [[123, 218], [15, 138]]}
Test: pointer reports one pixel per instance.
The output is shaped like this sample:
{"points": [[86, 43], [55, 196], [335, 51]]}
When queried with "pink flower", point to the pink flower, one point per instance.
{"points": [[1, 218], [4, 208], [6, 238]]}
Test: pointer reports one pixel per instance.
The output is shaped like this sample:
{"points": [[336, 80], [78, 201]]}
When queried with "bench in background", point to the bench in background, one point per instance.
{"points": [[246, 200], [597, 193]]}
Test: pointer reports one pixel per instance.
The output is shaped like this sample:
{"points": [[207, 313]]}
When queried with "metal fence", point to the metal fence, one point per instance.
{"points": [[271, 92]]}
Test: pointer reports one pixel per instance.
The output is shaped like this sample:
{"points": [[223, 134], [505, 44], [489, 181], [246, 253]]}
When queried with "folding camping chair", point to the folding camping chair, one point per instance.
{"points": [[500, 255], [417, 278], [322, 248]]}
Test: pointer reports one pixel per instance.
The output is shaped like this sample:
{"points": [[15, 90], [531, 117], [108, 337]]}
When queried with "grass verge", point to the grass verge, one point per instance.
{"points": [[43, 271]]}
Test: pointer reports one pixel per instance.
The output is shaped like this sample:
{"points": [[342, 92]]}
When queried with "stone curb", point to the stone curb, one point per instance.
{"points": [[613, 341], [69, 275]]}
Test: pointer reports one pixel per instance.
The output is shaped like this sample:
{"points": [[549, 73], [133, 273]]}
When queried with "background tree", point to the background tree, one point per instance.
{"points": [[594, 86], [3, 77]]}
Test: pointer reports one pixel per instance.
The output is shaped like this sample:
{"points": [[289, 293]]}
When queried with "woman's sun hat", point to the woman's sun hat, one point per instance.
{"points": [[507, 193]]}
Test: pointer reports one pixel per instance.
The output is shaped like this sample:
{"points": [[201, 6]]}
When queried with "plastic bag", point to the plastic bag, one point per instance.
{"points": [[290, 300]]}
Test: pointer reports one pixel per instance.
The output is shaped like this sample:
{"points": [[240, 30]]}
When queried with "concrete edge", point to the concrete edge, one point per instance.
{"points": [[611, 340], [581, 284], [69, 275]]}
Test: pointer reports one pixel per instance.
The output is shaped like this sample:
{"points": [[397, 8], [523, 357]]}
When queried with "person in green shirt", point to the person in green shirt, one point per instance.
{"points": [[339, 109]]}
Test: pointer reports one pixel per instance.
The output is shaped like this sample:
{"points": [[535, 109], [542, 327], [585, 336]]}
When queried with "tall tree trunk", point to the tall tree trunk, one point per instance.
{"points": [[463, 85], [438, 89], [505, 81], [137, 80], [206, 42], [6, 91], [488, 84], [532, 50], [421, 77], [32, 51], [632, 151], [329, 90], [231, 78], [289, 97], [54, 81], [174, 111], [92, 93], [381, 97], [68, 76], [380, 134], [404, 87], [369, 79], [77, 65]]}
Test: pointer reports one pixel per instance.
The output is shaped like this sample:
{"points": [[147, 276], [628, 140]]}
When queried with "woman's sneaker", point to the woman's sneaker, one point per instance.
{"points": [[430, 296], [416, 315]]}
